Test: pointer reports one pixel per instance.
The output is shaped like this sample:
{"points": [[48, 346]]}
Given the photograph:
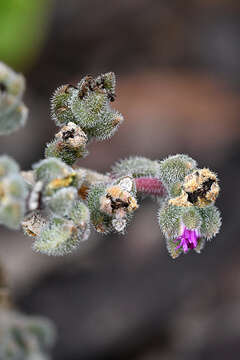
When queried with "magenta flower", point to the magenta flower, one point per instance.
{"points": [[188, 239]]}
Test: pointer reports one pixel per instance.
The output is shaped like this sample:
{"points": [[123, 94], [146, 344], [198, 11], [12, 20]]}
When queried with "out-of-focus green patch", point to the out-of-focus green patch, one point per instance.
{"points": [[23, 24]]}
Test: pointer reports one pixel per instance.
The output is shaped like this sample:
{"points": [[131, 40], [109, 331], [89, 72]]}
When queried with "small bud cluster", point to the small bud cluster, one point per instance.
{"points": [[188, 215], [25, 337], [13, 113], [84, 113], [58, 220], [69, 144], [111, 205], [13, 193]]}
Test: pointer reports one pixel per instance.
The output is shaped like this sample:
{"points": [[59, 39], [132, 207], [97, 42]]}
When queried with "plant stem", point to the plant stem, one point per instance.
{"points": [[150, 186]]}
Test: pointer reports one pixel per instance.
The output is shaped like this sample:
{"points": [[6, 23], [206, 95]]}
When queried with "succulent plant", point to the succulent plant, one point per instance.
{"points": [[57, 201]]}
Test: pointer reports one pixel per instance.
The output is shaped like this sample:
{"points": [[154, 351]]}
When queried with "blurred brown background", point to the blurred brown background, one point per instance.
{"points": [[177, 67]]}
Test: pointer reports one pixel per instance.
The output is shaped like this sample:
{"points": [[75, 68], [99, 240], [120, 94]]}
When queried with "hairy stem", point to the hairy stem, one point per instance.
{"points": [[150, 186]]}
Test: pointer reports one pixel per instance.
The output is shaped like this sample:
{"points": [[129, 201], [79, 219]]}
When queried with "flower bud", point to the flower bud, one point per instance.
{"points": [[89, 110], [112, 205], [13, 120], [69, 144], [191, 218], [62, 201], [107, 128], [211, 221], [59, 237], [12, 213], [174, 169], [11, 82], [80, 215], [7, 166], [169, 218], [186, 228], [201, 187], [60, 110], [51, 169], [101, 220]]}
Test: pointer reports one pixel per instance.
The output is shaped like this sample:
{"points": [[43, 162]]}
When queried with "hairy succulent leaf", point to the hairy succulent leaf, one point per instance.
{"points": [[173, 170]]}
